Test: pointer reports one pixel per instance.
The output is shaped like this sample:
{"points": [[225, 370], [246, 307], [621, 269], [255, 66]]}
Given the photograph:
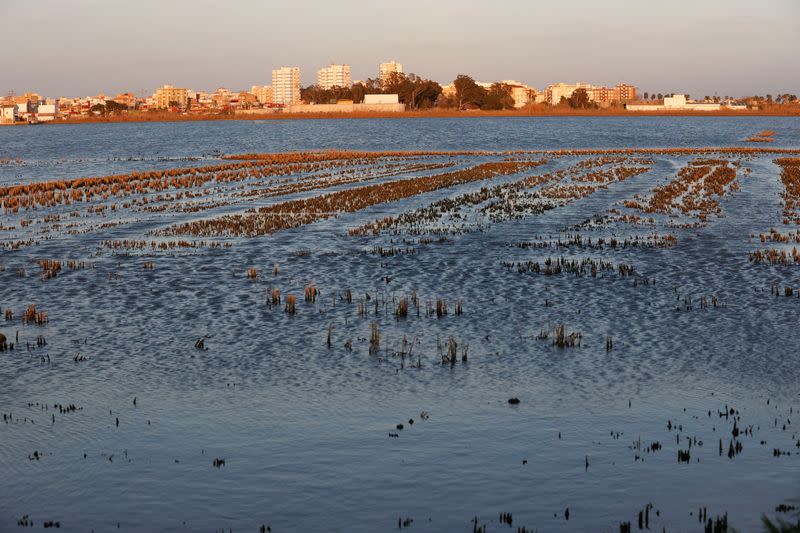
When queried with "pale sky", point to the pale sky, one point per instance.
{"points": [[701, 47]]}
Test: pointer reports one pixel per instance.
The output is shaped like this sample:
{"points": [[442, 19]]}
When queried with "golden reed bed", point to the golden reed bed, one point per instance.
{"points": [[297, 213], [695, 191], [56, 192]]}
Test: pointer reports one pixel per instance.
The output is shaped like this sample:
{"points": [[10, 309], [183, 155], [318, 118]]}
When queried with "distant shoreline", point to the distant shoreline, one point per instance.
{"points": [[175, 117]]}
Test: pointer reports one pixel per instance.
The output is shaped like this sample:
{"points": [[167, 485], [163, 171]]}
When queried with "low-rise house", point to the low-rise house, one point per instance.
{"points": [[221, 98], [126, 99], [679, 102], [25, 110], [47, 112], [263, 93], [246, 100], [8, 113]]}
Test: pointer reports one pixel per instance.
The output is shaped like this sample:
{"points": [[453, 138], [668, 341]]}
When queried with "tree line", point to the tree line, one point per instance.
{"points": [[785, 98], [412, 90], [418, 93]]}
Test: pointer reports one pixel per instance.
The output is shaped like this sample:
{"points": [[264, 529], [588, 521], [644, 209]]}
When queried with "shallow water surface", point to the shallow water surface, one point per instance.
{"points": [[686, 346]]}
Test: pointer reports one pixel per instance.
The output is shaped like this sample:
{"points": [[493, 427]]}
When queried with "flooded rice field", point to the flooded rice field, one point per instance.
{"points": [[371, 325]]}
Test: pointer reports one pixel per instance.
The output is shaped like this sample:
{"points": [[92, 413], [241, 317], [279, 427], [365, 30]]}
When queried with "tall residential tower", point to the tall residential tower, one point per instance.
{"points": [[286, 85], [334, 76]]}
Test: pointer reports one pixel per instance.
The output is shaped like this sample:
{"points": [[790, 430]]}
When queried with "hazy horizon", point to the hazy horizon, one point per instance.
{"points": [[730, 47]]}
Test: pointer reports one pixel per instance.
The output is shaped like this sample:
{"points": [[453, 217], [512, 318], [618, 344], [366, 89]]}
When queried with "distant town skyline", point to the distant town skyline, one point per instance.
{"points": [[82, 47]]}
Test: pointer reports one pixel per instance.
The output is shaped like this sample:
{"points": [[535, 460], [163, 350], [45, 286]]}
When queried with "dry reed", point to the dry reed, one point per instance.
{"points": [[291, 304], [401, 311], [311, 293], [564, 339], [374, 339]]}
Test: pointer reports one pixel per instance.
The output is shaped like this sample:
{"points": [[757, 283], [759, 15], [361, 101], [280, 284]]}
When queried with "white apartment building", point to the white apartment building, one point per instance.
{"points": [[386, 69], [164, 96], [556, 92], [333, 76], [521, 93], [286, 85]]}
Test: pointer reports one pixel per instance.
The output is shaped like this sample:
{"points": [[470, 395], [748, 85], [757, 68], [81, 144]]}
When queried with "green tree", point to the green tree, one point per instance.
{"points": [[358, 91], [424, 93], [579, 99], [401, 85], [114, 107], [499, 97], [412, 90], [396, 83], [447, 102], [468, 92], [313, 94], [373, 86]]}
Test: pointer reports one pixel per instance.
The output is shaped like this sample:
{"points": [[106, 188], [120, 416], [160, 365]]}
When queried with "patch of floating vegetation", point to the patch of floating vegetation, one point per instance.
{"points": [[561, 187], [766, 136], [445, 206], [343, 155], [775, 256], [125, 198], [695, 192], [613, 243], [141, 244], [790, 176], [67, 192], [513, 200], [296, 213], [776, 236], [578, 267]]}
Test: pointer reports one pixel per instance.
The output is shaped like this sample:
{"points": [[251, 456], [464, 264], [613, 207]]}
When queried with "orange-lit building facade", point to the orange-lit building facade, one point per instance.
{"points": [[605, 95]]}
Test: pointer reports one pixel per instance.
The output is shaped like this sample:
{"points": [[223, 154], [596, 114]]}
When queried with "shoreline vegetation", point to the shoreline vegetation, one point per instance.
{"points": [[543, 111]]}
